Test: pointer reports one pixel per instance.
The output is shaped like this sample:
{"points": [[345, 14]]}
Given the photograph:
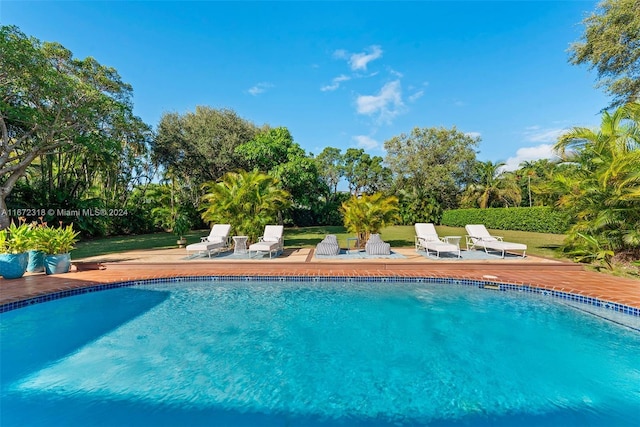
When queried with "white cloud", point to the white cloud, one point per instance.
{"points": [[416, 96], [335, 83], [366, 142], [259, 88], [538, 134], [542, 151], [386, 104], [359, 61]]}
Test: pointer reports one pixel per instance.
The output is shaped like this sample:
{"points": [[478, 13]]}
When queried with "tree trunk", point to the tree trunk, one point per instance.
{"points": [[4, 217]]}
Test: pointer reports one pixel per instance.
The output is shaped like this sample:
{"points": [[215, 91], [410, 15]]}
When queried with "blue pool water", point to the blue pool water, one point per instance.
{"points": [[315, 354]]}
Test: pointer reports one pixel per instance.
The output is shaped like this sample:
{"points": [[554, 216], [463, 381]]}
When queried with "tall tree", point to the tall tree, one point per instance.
{"points": [[611, 45], [364, 173], [53, 104], [439, 161], [331, 168], [201, 146]]}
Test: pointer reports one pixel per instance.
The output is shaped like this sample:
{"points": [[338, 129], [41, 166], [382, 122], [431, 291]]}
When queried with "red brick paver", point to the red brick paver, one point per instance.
{"points": [[532, 271]]}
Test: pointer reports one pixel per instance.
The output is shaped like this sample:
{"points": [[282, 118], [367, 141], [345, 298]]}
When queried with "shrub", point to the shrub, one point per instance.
{"points": [[538, 219]]}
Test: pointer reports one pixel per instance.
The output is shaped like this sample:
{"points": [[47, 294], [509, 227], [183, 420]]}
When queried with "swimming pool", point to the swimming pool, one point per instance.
{"points": [[315, 353]]}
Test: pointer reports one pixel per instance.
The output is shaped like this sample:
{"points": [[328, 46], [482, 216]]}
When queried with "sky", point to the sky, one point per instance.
{"points": [[344, 74]]}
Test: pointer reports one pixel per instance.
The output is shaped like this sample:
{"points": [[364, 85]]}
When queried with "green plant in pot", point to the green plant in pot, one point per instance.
{"points": [[15, 241], [36, 255], [181, 225], [56, 243]]}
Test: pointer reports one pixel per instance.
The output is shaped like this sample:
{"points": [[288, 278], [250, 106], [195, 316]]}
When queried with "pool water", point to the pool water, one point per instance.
{"points": [[315, 353]]}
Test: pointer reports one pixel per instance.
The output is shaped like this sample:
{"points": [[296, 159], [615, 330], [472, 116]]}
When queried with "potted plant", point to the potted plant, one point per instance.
{"points": [[36, 255], [180, 226], [56, 243], [14, 244]]}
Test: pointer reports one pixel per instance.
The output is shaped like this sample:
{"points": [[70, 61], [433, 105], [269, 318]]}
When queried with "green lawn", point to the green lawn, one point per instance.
{"points": [[398, 236]]}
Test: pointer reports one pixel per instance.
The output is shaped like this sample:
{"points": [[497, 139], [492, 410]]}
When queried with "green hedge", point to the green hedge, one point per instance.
{"points": [[539, 219]]}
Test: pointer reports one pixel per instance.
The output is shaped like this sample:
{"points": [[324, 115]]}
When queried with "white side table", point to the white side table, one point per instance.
{"points": [[355, 241], [240, 244], [454, 240]]}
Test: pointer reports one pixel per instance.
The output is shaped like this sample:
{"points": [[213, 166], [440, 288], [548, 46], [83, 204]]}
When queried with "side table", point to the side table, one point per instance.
{"points": [[355, 241], [240, 244], [454, 240]]}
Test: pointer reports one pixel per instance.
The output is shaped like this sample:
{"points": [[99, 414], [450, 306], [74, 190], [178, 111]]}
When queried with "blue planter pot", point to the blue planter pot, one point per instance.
{"points": [[36, 262], [13, 266], [57, 264]]}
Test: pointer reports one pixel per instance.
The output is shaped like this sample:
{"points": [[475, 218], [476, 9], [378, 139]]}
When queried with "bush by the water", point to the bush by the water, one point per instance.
{"points": [[538, 219]]}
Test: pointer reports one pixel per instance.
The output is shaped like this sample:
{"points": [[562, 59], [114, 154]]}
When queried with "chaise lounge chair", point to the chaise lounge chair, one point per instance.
{"points": [[271, 241], [328, 246], [376, 246], [479, 236], [427, 238], [216, 241]]}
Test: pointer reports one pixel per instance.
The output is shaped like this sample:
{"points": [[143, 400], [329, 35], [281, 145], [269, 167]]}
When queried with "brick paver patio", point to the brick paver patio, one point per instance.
{"points": [[538, 272]]}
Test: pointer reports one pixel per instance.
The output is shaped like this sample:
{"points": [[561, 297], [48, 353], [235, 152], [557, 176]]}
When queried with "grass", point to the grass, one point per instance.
{"points": [[539, 244], [109, 245]]}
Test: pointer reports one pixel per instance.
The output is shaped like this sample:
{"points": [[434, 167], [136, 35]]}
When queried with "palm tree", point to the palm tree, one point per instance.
{"points": [[604, 194], [246, 200], [367, 214], [492, 186]]}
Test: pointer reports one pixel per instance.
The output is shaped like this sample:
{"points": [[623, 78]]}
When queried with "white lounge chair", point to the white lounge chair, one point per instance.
{"points": [[216, 241], [427, 238], [271, 241], [479, 237]]}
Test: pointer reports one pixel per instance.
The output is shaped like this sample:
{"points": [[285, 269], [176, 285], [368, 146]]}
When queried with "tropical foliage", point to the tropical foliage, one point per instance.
{"points": [[491, 187], [367, 214], [417, 205], [246, 200], [16, 239], [55, 240], [602, 191]]}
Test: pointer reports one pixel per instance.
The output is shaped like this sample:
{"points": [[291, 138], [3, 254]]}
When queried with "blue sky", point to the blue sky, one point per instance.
{"points": [[343, 74]]}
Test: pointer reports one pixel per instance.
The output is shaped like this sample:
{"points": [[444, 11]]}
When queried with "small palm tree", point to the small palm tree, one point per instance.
{"points": [[492, 186], [246, 200], [367, 214]]}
